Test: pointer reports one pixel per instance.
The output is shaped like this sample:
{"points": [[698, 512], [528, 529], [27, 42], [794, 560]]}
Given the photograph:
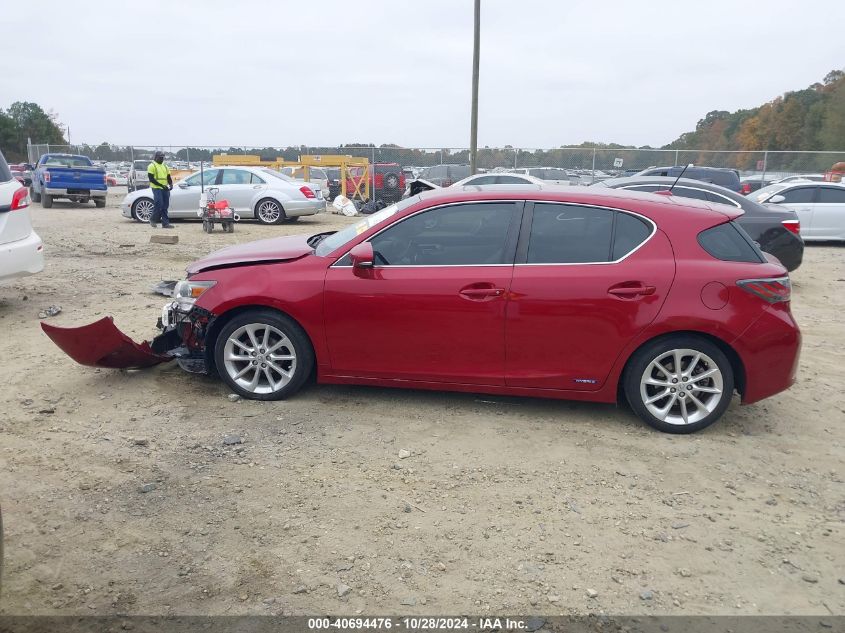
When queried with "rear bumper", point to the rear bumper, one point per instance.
{"points": [[769, 350], [297, 208], [22, 257], [74, 191], [786, 246]]}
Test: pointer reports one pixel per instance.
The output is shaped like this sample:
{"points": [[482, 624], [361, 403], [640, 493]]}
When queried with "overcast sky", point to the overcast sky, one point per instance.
{"points": [[279, 73]]}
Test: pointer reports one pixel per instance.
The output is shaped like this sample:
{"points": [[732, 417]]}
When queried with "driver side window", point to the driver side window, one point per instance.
{"points": [[459, 235]]}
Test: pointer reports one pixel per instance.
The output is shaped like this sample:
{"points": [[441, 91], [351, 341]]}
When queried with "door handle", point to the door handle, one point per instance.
{"points": [[631, 291], [474, 293]]}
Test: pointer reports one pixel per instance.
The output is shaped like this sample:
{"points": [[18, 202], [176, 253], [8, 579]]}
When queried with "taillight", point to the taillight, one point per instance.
{"points": [[793, 226], [307, 192], [773, 290], [46, 176], [745, 189], [20, 199]]}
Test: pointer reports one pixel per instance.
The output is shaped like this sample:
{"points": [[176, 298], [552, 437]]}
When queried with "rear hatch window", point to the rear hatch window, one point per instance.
{"points": [[730, 243]]}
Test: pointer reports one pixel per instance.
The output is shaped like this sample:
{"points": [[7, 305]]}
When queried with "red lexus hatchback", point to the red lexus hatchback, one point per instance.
{"points": [[553, 292]]}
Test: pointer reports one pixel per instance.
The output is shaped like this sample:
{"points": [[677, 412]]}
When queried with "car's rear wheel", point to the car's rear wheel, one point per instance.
{"points": [[263, 355], [46, 201], [679, 384], [36, 197], [99, 202], [142, 209], [269, 211]]}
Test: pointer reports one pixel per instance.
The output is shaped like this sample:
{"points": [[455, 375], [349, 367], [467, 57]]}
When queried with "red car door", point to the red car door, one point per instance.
{"points": [[433, 306], [587, 280]]}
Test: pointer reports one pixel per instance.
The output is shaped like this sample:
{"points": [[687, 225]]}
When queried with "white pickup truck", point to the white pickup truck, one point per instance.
{"points": [[137, 177]]}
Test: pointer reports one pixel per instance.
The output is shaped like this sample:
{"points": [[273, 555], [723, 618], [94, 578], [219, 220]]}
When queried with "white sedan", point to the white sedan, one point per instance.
{"points": [[253, 192], [500, 178], [21, 250], [820, 206]]}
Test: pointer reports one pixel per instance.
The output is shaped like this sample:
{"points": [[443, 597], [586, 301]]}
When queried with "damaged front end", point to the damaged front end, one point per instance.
{"points": [[184, 327]]}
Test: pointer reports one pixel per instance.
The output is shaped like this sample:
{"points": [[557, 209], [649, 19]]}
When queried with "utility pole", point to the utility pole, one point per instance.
{"points": [[473, 134]]}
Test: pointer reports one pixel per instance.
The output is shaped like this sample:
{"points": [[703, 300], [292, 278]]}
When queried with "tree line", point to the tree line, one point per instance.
{"points": [[812, 119], [24, 120]]}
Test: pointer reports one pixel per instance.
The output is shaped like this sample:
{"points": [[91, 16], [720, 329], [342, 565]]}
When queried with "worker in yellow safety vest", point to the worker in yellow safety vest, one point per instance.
{"points": [[161, 183]]}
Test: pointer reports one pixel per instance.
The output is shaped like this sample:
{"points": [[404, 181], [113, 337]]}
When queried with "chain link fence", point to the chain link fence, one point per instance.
{"points": [[583, 165]]}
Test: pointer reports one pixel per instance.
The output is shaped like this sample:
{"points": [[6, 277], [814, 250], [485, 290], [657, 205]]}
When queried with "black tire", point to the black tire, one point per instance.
{"points": [[298, 339], [34, 196], [717, 403], [99, 202], [260, 214], [47, 201]]}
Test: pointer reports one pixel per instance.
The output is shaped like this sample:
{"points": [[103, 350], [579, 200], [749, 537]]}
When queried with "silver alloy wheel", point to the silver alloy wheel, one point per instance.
{"points": [[259, 358], [269, 211], [144, 209], [681, 386]]}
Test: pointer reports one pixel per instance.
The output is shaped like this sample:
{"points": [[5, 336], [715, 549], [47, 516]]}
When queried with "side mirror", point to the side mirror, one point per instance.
{"points": [[182, 185], [362, 255], [776, 199]]}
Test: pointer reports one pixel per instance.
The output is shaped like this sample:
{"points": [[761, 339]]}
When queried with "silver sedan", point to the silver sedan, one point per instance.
{"points": [[253, 192]]}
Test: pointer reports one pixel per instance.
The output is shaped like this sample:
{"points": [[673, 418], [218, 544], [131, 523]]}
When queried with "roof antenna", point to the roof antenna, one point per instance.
{"points": [[669, 191]]}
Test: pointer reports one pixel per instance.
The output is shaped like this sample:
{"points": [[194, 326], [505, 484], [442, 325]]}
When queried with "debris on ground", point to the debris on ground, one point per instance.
{"points": [[161, 238], [344, 206], [49, 312]]}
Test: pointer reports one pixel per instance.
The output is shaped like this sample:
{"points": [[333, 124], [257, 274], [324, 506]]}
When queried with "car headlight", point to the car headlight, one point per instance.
{"points": [[187, 292]]}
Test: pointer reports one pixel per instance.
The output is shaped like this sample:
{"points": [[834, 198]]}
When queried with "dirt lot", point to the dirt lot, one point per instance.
{"points": [[504, 505]]}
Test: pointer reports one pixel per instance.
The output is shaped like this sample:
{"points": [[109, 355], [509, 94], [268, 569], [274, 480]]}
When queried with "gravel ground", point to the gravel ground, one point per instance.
{"points": [[150, 492]]}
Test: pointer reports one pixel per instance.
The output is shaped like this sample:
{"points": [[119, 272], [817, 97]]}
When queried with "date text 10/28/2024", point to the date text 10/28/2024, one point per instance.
{"points": [[421, 623]]}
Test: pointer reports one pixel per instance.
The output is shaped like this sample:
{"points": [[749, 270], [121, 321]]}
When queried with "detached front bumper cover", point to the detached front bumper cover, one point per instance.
{"points": [[101, 344]]}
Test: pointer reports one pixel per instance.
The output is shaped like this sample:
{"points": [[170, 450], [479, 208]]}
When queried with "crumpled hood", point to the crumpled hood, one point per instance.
{"points": [[275, 249]]}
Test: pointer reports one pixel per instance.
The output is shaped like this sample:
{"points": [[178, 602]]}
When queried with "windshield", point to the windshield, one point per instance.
{"points": [[66, 161], [340, 238], [276, 174], [766, 192], [141, 164]]}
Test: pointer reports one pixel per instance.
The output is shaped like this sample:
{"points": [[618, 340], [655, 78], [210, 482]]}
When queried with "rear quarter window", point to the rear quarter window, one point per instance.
{"points": [[730, 243]]}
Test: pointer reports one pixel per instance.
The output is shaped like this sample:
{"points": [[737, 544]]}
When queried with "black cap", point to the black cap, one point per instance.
{"points": [[158, 154]]}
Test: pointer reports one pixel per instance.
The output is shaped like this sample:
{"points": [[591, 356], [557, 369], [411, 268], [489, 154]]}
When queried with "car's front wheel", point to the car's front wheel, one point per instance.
{"points": [[263, 355], [142, 209], [679, 384]]}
